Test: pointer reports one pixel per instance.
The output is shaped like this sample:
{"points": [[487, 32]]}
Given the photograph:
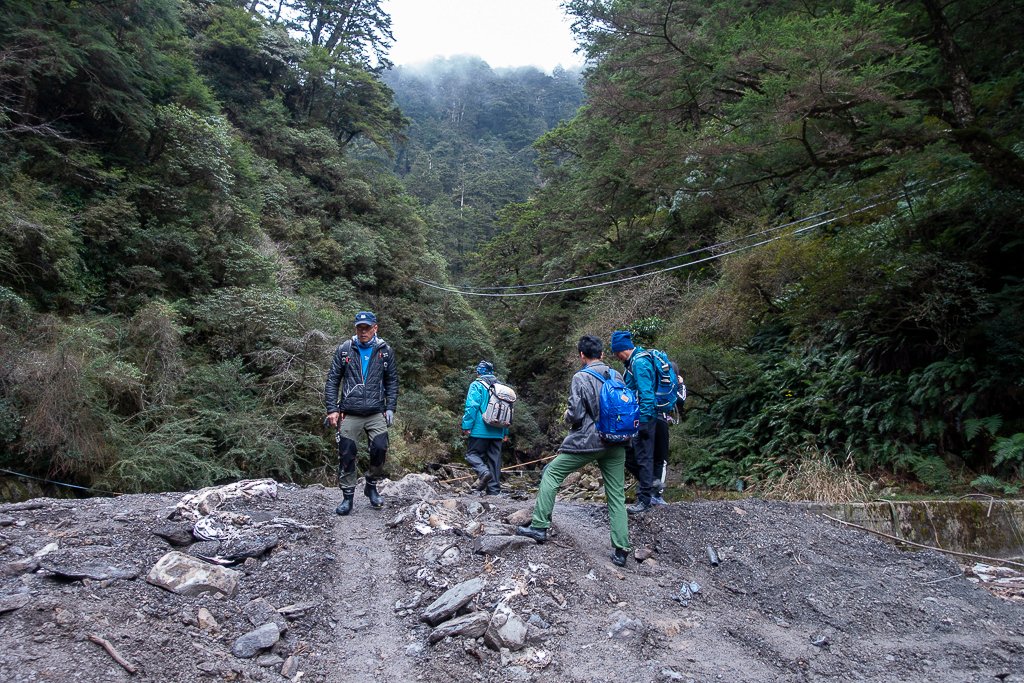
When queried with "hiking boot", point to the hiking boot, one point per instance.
{"points": [[346, 504], [658, 500], [539, 535], [638, 508], [370, 491], [619, 557], [498, 492], [482, 481]]}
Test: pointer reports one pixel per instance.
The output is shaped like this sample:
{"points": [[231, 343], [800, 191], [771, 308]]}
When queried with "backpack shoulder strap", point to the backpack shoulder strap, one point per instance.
{"points": [[595, 373]]}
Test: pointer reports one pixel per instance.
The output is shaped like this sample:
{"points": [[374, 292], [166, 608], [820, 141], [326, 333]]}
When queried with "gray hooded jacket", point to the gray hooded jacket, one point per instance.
{"points": [[584, 408]]}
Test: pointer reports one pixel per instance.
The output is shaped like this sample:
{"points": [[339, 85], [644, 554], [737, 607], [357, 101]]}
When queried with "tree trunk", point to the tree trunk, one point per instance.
{"points": [[1003, 166]]}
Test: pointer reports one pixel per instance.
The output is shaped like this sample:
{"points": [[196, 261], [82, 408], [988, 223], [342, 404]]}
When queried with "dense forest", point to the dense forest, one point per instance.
{"points": [[814, 207]]}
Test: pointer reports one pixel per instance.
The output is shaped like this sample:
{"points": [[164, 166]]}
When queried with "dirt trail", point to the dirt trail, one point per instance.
{"points": [[370, 643], [795, 597]]}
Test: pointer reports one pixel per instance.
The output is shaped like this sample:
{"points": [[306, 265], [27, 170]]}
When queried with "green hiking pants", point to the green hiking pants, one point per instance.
{"points": [[612, 461]]}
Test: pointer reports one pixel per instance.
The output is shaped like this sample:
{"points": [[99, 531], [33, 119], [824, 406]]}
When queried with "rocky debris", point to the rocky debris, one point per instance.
{"points": [[238, 535], [494, 529], [623, 626], [532, 658], [786, 579], [472, 625], [296, 611], [686, 593], [238, 549], [69, 570], [206, 621], [290, 667], [443, 553], [494, 545], [248, 646], [452, 600], [207, 501], [410, 603], [186, 575], [269, 659], [6, 520], [642, 554], [204, 549], [1005, 582], [416, 486], [521, 517], [260, 611], [22, 566], [175, 534], [505, 630], [10, 603]]}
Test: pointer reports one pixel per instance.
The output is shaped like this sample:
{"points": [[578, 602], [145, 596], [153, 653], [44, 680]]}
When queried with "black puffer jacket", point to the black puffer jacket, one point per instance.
{"points": [[358, 396]]}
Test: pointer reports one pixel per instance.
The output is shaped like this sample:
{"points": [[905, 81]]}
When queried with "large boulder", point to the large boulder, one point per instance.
{"points": [[187, 575]]}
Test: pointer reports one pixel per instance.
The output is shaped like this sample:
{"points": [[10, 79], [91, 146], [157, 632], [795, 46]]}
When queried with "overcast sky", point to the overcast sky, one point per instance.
{"points": [[501, 32]]}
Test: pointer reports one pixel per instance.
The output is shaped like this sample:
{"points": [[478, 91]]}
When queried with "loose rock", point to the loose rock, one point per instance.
{"points": [[9, 603], [451, 601], [97, 571], [259, 611], [249, 645], [492, 545], [471, 625], [206, 621], [290, 667], [505, 630]]}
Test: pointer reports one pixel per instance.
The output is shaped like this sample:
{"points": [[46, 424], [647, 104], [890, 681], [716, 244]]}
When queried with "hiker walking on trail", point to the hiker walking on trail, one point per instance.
{"points": [[641, 377], [584, 445], [361, 396], [483, 451]]}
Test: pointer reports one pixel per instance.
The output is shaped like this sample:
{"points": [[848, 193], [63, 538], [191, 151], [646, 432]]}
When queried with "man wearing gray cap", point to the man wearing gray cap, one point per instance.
{"points": [[361, 396]]}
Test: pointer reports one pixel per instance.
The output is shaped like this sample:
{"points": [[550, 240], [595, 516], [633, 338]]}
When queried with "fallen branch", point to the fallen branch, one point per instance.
{"points": [[996, 560], [114, 654]]}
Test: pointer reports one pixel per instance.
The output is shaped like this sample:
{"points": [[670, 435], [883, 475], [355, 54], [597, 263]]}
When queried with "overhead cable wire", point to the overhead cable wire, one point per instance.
{"points": [[548, 283], [892, 197], [655, 261], [639, 276]]}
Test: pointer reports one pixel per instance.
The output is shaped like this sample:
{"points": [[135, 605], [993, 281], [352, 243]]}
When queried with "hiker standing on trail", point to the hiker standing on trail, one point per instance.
{"points": [[483, 452], [641, 377], [361, 396], [581, 446]]}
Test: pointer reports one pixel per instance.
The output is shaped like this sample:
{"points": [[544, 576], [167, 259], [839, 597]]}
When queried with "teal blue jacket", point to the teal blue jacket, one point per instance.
{"points": [[473, 414], [642, 378]]}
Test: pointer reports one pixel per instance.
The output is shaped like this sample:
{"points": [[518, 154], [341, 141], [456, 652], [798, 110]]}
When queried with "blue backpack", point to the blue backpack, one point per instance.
{"points": [[619, 418], [667, 385]]}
